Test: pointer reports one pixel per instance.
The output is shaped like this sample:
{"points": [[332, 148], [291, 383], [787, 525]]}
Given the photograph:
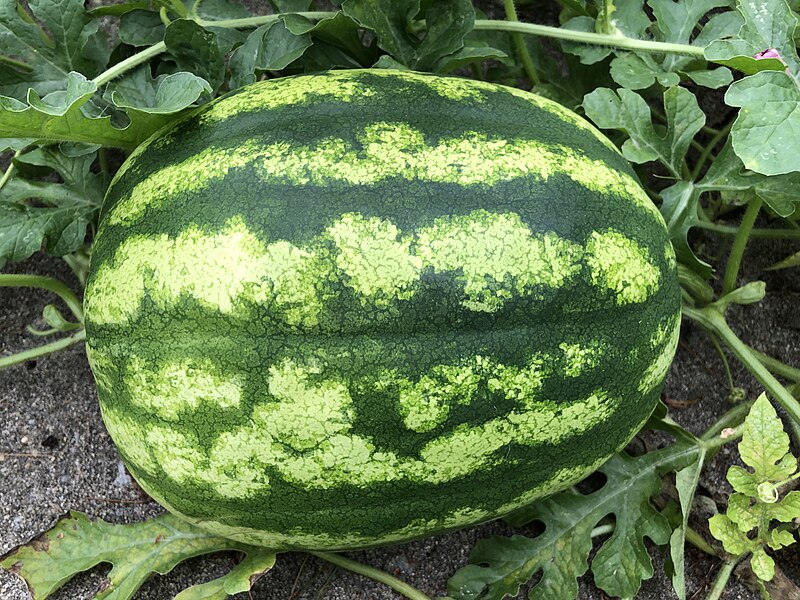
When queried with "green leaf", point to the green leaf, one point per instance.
{"points": [[627, 111], [787, 263], [765, 445], [42, 213], [447, 23], [727, 174], [788, 509], [779, 538], [640, 71], [743, 481], [766, 24], [733, 540], [41, 57], [218, 10], [60, 116], [768, 125], [239, 579], [467, 55], [675, 23], [339, 31], [740, 511], [686, 481], [500, 566], [679, 209], [166, 94], [141, 28], [270, 47], [762, 564], [117, 10], [136, 550], [715, 78], [389, 19], [195, 50]]}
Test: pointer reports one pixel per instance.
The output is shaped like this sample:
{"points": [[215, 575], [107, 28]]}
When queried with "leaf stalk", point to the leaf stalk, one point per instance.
{"points": [[396, 584], [711, 319], [46, 283], [739, 245], [61, 344]]}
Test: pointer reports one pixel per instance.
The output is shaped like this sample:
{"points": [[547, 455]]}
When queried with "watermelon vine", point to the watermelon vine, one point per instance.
{"points": [[74, 104]]}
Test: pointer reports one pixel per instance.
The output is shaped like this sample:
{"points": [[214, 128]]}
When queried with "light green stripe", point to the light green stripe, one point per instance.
{"points": [[665, 338], [386, 150], [347, 86], [495, 257], [304, 431]]}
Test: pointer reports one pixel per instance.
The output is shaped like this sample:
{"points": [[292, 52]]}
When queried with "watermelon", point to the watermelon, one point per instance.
{"points": [[355, 308]]}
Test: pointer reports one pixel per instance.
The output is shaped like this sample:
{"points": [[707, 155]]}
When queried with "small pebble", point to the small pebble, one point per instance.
{"points": [[24, 439]]}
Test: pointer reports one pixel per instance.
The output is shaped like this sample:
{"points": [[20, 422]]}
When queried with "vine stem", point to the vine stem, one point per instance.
{"points": [[706, 152], [63, 343], [712, 319], [739, 244], [46, 283], [519, 43], [9, 170], [378, 575], [601, 39], [130, 63], [722, 578], [783, 234], [777, 367]]}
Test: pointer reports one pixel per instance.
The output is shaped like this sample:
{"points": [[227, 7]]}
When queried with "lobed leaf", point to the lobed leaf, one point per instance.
{"points": [[499, 566], [136, 551], [765, 445], [40, 57], [627, 111], [726, 531], [768, 125], [765, 24], [62, 211]]}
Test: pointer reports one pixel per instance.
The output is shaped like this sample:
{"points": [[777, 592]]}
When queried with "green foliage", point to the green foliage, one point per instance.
{"points": [[756, 502], [628, 111], [500, 566], [136, 551], [35, 213], [65, 97]]}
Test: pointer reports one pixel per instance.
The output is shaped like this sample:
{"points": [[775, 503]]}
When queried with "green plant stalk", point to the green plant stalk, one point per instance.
{"points": [[47, 283], [712, 319], [699, 542], [777, 367], [722, 578], [618, 41], [725, 364], [708, 149], [9, 170], [62, 344], [130, 63], [599, 39], [378, 575], [739, 244], [519, 44], [782, 234], [733, 419]]}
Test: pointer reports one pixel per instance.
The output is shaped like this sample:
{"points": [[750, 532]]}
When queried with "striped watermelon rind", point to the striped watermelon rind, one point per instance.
{"points": [[359, 307]]}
